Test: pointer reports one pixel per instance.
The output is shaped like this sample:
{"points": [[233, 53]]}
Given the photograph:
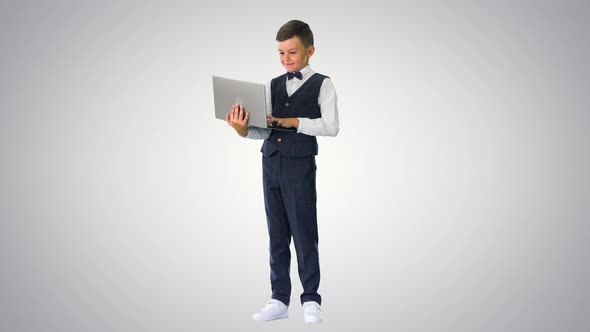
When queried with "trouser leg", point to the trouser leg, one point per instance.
{"points": [[298, 189], [278, 230]]}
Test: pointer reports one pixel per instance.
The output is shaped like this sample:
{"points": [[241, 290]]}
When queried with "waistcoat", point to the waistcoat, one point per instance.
{"points": [[303, 103]]}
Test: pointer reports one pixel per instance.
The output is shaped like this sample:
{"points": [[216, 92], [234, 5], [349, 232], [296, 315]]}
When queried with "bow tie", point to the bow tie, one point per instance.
{"points": [[297, 74]]}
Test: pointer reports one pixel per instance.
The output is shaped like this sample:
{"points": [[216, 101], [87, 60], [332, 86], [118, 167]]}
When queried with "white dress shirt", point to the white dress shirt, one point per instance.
{"points": [[327, 125]]}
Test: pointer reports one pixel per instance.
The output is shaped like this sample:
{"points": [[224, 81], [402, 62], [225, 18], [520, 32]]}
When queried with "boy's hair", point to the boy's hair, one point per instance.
{"points": [[296, 28]]}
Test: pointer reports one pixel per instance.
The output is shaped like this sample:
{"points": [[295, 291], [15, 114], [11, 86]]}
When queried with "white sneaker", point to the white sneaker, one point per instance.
{"points": [[312, 312], [274, 309]]}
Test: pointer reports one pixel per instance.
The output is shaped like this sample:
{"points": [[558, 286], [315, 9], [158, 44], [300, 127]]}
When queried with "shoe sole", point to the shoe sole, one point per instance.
{"points": [[312, 320], [272, 318]]}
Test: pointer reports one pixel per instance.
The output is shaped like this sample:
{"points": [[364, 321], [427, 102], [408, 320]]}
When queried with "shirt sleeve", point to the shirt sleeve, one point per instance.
{"points": [[262, 133], [258, 133], [328, 124]]}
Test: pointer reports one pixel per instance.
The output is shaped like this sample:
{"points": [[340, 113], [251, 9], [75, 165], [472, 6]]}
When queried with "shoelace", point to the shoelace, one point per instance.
{"points": [[269, 305], [311, 307]]}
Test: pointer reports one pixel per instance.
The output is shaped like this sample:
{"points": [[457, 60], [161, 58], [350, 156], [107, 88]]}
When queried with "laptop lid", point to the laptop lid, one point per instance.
{"points": [[228, 92]]}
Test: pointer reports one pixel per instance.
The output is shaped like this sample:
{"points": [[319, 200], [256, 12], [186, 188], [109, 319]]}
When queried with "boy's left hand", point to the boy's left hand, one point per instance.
{"points": [[283, 122]]}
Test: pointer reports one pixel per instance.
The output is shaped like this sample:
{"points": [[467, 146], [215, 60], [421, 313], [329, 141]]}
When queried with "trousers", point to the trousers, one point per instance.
{"points": [[290, 203]]}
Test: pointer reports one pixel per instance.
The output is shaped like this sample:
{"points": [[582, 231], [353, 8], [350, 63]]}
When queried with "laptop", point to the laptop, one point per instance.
{"points": [[227, 92]]}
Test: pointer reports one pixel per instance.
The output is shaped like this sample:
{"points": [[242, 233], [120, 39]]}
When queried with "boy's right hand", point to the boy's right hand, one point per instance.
{"points": [[238, 119]]}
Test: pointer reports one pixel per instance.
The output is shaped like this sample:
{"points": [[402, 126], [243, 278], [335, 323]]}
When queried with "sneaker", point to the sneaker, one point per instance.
{"points": [[274, 309], [312, 312]]}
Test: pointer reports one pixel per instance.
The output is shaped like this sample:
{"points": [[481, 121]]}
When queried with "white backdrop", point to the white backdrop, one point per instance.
{"points": [[455, 198]]}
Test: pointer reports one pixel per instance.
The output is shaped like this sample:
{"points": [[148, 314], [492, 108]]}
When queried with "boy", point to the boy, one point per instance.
{"points": [[306, 101]]}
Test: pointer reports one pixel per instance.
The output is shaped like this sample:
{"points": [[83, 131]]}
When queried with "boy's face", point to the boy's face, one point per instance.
{"points": [[294, 56]]}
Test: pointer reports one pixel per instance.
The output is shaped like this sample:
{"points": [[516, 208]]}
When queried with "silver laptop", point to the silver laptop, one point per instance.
{"points": [[227, 92]]}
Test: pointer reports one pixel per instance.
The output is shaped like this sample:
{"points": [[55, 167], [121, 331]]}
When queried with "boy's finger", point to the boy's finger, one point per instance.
{"points": [[245, 120]]}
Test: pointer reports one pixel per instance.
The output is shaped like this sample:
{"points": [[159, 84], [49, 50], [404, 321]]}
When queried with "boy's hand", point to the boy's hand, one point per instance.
{"points": [[283, 122], [237, 118]]}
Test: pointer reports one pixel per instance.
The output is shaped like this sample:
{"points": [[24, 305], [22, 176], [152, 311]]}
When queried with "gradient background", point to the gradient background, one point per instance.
{"points": [[455, 198]]}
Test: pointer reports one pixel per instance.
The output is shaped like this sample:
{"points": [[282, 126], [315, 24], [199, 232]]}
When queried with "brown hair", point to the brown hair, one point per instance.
{"points": [[296, 28]]}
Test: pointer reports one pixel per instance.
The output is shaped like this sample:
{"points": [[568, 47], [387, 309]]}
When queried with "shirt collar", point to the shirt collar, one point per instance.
{"points": [[305, 70]]}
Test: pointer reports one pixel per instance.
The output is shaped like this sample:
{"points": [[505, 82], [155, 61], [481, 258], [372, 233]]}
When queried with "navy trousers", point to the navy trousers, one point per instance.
{"points": [[290, 203]]}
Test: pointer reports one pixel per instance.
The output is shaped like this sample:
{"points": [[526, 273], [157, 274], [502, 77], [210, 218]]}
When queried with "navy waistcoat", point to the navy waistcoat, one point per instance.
{"points": [[303, 103]]}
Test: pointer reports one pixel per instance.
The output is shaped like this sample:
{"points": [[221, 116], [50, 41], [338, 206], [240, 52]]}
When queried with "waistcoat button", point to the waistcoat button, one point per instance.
{"points": [[279, 140]]}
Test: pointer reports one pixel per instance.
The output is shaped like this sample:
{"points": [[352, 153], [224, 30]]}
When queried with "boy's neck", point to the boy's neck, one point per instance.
{"points": [[302, 68]]}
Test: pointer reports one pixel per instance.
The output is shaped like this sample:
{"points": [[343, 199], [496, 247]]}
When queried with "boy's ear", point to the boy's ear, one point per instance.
{"points": [[310, 51]]}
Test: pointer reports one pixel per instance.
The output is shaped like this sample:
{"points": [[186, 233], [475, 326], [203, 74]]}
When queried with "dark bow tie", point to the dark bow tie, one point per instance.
{"points": [[297, 74]]}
